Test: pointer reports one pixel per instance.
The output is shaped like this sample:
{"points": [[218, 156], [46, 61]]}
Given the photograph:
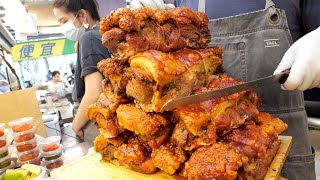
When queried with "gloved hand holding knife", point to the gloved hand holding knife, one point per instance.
{"points": [[303, 57]]}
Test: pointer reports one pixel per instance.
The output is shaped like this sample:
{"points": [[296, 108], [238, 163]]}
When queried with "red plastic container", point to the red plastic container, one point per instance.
{"points": [[50, 144], [35, 161], [52, 155], [28, 155], [26, 145], [24, 136], [22, 124], [53, 164]]}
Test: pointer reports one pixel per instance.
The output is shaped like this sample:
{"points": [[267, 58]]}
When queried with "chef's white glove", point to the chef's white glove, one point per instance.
{"points": [[153, 4], [303, 57]]}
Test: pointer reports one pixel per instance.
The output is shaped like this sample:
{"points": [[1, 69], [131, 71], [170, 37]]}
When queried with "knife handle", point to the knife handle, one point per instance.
{"points": [[285, 76]]}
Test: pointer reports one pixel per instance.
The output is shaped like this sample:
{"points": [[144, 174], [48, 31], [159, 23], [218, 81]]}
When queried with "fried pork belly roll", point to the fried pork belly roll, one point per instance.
{"points": [[107, 146], [103, 114], [157, 77], [217, 161], [129, 20], [257, 140], [135, 155], [136, 120], [126, 32], [115, 82], [155, 69], [189, 142], [225, 113], [157, 139]]}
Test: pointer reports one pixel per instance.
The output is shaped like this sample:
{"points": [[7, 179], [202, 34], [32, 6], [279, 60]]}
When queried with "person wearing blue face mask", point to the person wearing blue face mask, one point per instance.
{"points": [[79, 20]]}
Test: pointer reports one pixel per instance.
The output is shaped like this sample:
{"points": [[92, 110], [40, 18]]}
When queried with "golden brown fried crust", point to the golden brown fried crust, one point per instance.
{"points": [[107, 146], [129, 20], [255, 137], [168, 157], [266, 121], [136, 120], [103, 114], [156, 77], [186, 140], [158, 138], [234, 116], [136, 156], [104, 106], [159, 55], [225, 113], [162, 67], [257, 141], [100, 143], [126, 32], [217, 161], [115, 82]]}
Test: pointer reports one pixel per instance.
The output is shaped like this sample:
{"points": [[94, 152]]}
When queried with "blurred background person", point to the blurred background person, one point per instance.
{"points": [[56, 79], [79, 21]]}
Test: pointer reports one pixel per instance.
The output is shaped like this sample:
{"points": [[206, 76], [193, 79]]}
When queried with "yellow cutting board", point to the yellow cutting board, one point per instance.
{"points": [[90, 168]]}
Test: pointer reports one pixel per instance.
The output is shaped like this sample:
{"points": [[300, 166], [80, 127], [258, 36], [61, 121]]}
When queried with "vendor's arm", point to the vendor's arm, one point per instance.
{"points": [[303, 57], [92, 91]]}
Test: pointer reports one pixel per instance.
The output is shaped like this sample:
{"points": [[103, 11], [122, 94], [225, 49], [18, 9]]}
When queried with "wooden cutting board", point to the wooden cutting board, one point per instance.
{"points": [[90, 168]]}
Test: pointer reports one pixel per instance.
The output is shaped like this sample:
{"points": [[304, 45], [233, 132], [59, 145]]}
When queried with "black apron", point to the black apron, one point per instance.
{"points": [[253, 45]]}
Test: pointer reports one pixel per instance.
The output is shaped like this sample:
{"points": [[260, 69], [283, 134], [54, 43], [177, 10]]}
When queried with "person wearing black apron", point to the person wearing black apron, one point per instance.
{"points": [[254, 42]]}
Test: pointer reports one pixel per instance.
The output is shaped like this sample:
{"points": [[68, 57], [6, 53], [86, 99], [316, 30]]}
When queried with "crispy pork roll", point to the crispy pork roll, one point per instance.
{"points": [[126, 32], [136, 120], [218, 161], [103, 114], [157, 77], [257, 140]]}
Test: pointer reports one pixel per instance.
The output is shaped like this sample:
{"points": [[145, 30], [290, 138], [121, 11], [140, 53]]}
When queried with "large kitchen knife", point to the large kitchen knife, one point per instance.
{"points": [[213, 94]]}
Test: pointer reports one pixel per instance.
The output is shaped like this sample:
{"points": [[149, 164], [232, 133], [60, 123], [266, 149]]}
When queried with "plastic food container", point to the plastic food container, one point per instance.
{"points": [[35, 161], [26, 145], [5, 162], [3, 141], [52, 155], [50, 144], [20, 125], [24, 136], [2, 126], [28, 155], [4, 152], [53, 164]]}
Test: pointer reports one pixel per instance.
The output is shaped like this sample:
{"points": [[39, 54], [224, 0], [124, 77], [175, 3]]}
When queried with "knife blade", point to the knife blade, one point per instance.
{"points": [[213, 94]]}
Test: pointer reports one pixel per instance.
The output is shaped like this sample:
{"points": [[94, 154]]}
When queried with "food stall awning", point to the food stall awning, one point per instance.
{"points": [[42, 49], [6, 39]]}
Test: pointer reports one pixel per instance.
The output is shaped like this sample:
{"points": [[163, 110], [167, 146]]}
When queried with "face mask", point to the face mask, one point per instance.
{"points": [[71, 32]]}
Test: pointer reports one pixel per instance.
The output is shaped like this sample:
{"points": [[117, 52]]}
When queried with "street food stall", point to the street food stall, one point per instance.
{"points": [[157, 56], [224, 138]]}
